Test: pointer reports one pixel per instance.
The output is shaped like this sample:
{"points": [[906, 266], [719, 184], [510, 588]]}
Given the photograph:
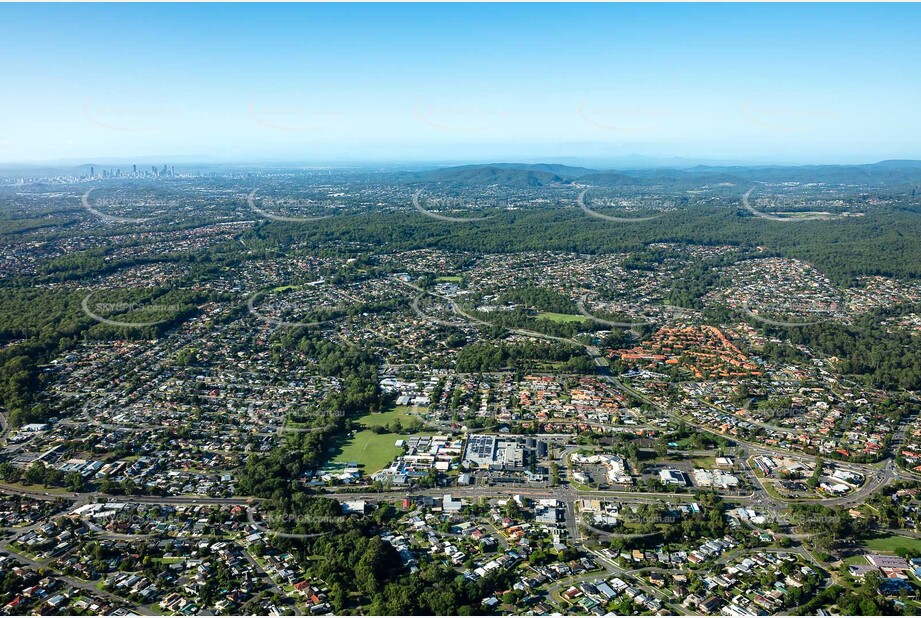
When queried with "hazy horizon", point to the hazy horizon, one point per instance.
{"points": [[625, 163]]}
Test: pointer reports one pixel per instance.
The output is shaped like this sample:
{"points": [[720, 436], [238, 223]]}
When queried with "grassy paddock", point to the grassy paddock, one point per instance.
{"points": [[560, 317]]}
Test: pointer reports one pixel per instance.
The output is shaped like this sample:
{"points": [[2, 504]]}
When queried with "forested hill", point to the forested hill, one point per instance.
{"points": [[521, 175], [883, 242], [484, 175]]}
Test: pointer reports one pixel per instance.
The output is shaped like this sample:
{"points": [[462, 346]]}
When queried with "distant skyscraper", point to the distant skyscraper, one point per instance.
{"points": [[92, 172], [134, 169]]}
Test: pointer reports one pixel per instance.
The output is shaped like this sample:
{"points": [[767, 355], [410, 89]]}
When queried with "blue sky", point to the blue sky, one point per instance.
{"points": [[313, 83]]}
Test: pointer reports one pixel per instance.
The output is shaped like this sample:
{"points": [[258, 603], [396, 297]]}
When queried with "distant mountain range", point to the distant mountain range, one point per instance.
{"points": [[534, 175], [523, 175]]}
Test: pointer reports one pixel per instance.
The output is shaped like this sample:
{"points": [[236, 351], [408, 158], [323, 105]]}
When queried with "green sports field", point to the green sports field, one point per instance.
{"points": [[891, 542], [373, 451]]}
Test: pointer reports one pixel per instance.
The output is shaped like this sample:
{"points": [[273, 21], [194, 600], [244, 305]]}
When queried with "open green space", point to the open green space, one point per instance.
{"points": [[704, 462], [892, 542], [772, 491], [450, 279], [169, 560], [381, 419], [858, 559], [560, 317], [371, 450], [580, 486]]}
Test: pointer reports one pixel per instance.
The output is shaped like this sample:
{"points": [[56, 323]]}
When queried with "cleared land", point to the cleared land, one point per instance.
{"points": [[560, 317]]}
